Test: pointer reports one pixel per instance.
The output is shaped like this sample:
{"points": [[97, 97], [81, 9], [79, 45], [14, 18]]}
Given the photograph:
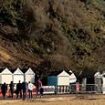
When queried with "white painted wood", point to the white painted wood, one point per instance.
{"points": [[17, 78], [29, 72], [30, 76], [6, 76], [64, 80], [18, 75], [6, 71], [18, 71]]}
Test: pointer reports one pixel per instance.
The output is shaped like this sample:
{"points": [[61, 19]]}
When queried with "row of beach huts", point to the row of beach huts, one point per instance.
{"points": [[7, 76], [55, 78]]}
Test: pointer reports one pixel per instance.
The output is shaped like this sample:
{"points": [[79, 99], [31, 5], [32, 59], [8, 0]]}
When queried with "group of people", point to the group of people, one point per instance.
{"points": [[20, 90]]}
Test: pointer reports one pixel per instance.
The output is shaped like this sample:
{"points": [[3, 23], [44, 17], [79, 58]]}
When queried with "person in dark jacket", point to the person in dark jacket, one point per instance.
{"points": [[19, 90], [11, 88], [24, 90], [41, 91], [4, 89]]}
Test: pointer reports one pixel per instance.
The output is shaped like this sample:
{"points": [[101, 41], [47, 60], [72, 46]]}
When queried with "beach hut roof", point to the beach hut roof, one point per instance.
{"points": [[98, 75], [64, 73], [30, 71], [6, 71], [56, 73], [18, 71]]}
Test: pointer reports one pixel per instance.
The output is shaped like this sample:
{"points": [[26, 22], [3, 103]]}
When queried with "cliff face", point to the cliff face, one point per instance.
{"points": [[52, 34]]}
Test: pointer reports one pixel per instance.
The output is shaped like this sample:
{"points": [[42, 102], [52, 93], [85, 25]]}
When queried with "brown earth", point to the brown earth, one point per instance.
{"points": [[52, 34]]}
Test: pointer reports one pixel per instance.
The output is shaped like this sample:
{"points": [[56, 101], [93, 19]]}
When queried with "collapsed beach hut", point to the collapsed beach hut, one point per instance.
{"points": [[18, 75], [72, 77], [98, 82], [6, 76], [103, 82], [30, 76]]}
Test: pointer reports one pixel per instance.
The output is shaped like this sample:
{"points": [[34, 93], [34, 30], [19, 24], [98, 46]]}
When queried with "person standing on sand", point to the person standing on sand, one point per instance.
{"points": [[38, 86], [11, 88], [4, 90], [30, 89], [24, 90], [41, 91], [19, 89]]}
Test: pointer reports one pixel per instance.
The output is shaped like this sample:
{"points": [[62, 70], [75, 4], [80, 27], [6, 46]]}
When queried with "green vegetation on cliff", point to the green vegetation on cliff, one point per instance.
{"points": [[52, 34]]}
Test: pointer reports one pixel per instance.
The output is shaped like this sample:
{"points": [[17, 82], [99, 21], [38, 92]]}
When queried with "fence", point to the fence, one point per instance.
{"points": [[78, 89]]}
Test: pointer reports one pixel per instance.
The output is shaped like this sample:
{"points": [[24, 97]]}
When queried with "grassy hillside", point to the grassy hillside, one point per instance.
{"points": [[52, 34]]}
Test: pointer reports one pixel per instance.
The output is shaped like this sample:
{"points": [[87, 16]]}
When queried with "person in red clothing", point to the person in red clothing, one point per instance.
{"points": [[38, 85], [77, 87]]}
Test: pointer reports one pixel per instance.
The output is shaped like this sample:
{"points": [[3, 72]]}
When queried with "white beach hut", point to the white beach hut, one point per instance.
{"points": [[30, 76], [63, 78], [59, 78], [18, 75], [6, 76]]}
